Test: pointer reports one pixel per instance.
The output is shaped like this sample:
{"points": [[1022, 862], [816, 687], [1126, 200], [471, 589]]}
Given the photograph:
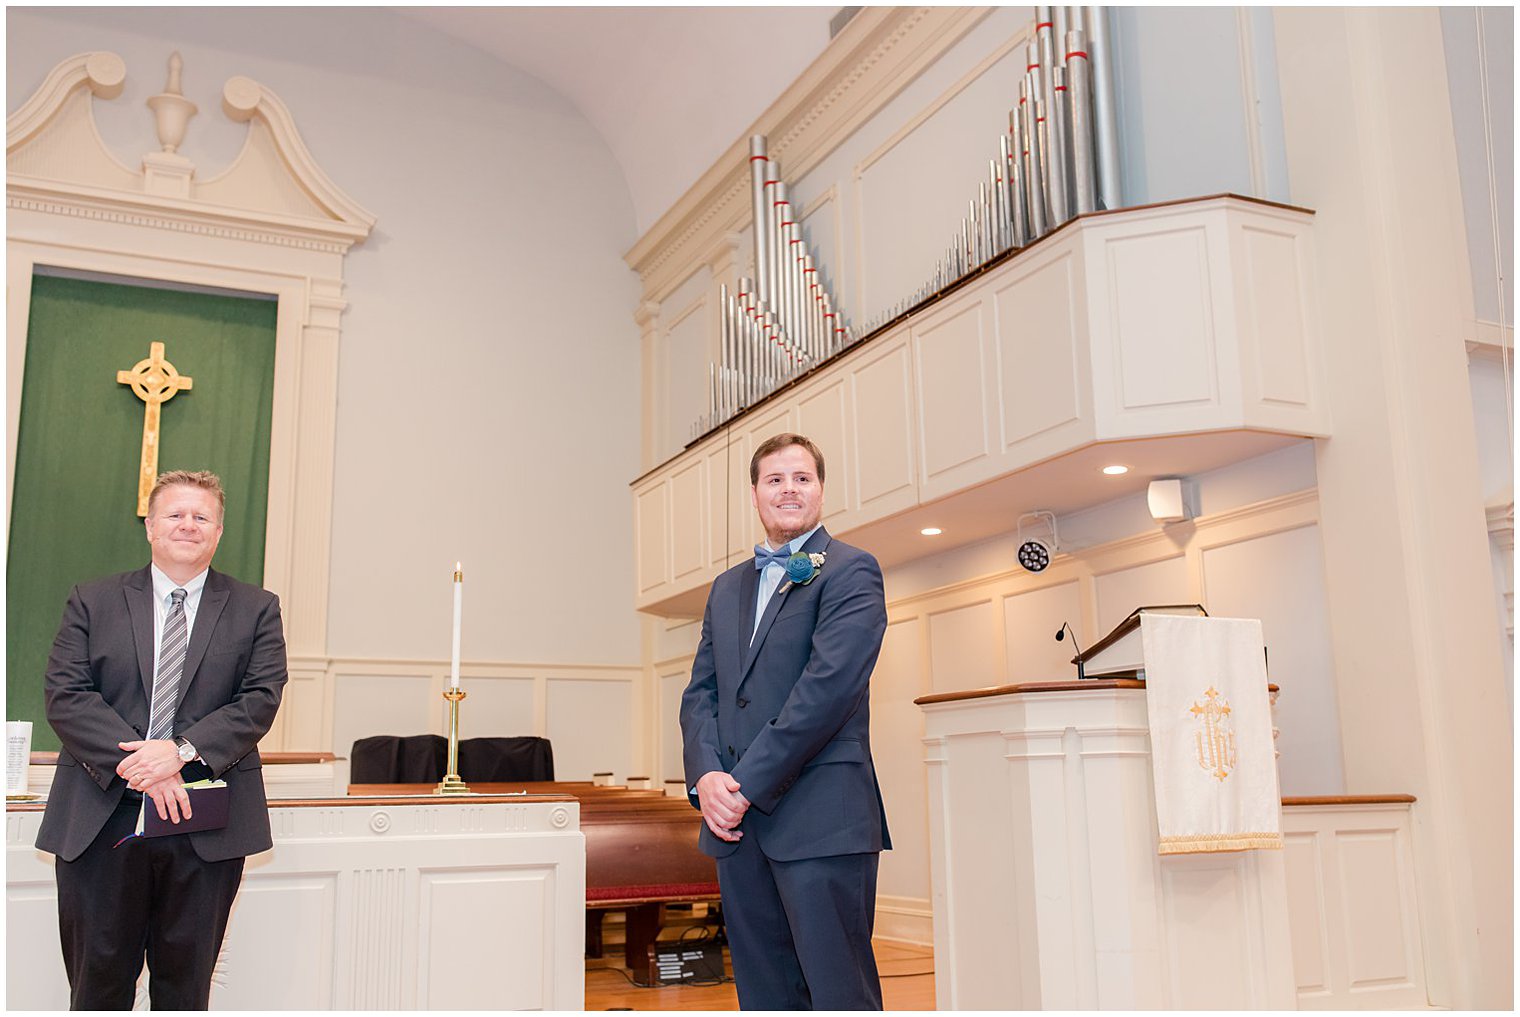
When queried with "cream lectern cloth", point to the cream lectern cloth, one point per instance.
{"points": [[1211, 734]]}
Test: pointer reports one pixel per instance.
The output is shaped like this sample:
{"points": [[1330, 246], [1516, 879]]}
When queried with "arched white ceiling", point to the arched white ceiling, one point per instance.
{"points": [[669, 88]]}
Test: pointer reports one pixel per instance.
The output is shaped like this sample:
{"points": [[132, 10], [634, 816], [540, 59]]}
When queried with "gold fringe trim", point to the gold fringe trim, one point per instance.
{"points": [[1201, 842]]}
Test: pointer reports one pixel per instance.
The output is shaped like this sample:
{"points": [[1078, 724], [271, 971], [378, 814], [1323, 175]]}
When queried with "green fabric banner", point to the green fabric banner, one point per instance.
{"points": [[74, 508]]}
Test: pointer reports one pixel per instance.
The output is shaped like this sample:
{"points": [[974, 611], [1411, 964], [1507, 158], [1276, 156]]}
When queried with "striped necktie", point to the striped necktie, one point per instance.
{"points": [[171, 668]]}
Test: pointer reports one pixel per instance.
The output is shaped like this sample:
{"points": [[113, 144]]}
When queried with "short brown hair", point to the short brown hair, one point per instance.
{"points": [[204, 479], [776, 443]]}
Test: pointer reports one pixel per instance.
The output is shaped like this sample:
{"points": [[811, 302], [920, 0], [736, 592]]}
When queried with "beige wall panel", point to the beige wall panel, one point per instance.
{"points": [[728, 502], [1119, 593], [913, 187], [672, 684], [1380, 954], [588, 723], [1272, 319], [496, 708], [883, 432], [823, 414], [963, 648], [1306, 891], [651, 509], [897, 730], [382, 704], [1357, 942], [821, 229], [1208, 926], [951, 361], [685, 356], [1163, 330], [688, 535], [307, 902], [300, 724], [1279, 579], [1031, 620], [1037, 351], [517, 961]]}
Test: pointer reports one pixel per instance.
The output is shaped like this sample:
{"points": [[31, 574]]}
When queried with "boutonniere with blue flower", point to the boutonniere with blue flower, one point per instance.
{"points": [[802, 568]]}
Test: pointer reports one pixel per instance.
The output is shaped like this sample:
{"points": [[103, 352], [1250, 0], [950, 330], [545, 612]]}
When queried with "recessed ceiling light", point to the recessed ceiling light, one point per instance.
{"points": [[1115, 470], [931, 531]]}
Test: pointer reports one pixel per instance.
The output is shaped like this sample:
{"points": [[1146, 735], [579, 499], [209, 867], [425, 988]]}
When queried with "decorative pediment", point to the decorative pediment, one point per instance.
{"points": [[54, 153]]}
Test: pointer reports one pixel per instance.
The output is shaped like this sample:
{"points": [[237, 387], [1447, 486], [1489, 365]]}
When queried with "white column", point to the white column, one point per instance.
{"points": [[1418, 671]]}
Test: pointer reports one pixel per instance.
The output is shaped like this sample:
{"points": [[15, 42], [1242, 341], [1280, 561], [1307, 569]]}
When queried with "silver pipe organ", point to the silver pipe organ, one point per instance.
{"points": [[783, 322], [1059, 159]]}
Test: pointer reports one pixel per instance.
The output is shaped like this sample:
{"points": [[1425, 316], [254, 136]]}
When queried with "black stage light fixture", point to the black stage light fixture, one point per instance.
{"points": [[1034, 553]]}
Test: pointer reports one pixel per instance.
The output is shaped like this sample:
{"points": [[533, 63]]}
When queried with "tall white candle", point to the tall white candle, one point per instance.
{"points": [[458, 610]]}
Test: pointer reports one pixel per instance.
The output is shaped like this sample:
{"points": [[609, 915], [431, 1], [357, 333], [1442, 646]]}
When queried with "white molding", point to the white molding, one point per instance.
{"points": [[255, 238], [1500, 515], [244, 99], [904, 920], [438, 666], [1490, 340], [103, 73], [30, 194], [1285, 512]]}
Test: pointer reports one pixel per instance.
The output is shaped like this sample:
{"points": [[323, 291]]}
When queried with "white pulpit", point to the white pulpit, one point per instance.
{"points": [[1048, 891]]}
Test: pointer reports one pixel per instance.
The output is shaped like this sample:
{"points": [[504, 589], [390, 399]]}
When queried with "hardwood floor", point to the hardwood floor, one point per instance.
{"points": [[907, 981]]}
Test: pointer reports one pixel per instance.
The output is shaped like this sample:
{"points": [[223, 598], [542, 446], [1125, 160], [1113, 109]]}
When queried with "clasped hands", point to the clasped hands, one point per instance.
{"points": [[722, 804], [152, 767]]}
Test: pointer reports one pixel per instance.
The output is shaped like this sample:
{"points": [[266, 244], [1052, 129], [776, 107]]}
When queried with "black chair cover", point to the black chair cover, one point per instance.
{"points": [[499, 759], [396, 759]]}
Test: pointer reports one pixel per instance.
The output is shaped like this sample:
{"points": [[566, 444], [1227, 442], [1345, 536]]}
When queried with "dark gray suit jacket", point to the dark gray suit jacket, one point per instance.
{"points": [[788, 713], [100, 679]]}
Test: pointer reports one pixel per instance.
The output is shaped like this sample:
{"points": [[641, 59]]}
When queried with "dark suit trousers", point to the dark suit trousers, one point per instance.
{"points": [[151, 897], [799, 933]]}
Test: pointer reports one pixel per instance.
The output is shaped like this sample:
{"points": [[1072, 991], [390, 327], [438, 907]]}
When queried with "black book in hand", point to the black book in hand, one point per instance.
{"points": [[208, 811]]}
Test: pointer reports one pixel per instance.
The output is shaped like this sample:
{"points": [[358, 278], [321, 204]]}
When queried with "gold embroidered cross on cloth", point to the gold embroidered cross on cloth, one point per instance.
{"points": [[1212, 759]]}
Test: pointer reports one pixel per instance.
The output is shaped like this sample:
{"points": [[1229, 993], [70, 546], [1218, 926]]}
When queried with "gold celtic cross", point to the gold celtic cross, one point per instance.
{"points": [[155, 381]]}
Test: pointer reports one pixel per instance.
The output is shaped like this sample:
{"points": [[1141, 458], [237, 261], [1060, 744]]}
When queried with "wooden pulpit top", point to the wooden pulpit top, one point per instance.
{"points": [[1025, 688]]}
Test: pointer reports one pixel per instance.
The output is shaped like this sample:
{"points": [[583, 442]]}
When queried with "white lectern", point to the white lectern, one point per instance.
{"points": [[1048, 890]]}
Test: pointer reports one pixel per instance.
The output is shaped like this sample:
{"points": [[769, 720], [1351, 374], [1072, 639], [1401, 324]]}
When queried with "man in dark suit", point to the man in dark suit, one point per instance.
{"points": [[776, 727], [158, 677]]}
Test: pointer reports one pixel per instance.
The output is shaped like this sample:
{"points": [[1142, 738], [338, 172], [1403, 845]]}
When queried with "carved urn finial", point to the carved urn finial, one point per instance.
{"points": [[171, 109]]}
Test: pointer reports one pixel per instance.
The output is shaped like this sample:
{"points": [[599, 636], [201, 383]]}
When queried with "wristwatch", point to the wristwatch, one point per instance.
{"points": [[187, 751]]}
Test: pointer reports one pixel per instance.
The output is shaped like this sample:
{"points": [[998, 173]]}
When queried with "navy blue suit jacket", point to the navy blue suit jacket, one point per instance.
{"points": [[788, 714]]}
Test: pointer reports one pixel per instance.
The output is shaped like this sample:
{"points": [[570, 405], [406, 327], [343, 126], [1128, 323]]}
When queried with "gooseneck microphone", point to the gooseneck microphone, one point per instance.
{"points": [[1060, 635]]}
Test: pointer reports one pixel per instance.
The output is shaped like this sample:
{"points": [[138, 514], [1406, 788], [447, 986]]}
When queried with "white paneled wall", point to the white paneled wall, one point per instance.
{"points": [[1277, 578], [590, 714], [1352, 907], [897, 730], [588, 725], [965, 645], [1121, 591], [1030, 622]]}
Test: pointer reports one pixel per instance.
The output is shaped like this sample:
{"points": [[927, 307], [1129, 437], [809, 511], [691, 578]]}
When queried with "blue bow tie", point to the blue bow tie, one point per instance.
{"points": [[764, 557]]}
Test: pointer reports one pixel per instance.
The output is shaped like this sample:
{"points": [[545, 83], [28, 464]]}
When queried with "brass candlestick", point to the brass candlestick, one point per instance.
{"points": [[451, 784]]}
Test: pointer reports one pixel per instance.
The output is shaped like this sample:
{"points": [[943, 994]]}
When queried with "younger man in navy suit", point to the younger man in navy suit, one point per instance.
{"points": [[776, 727]]}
